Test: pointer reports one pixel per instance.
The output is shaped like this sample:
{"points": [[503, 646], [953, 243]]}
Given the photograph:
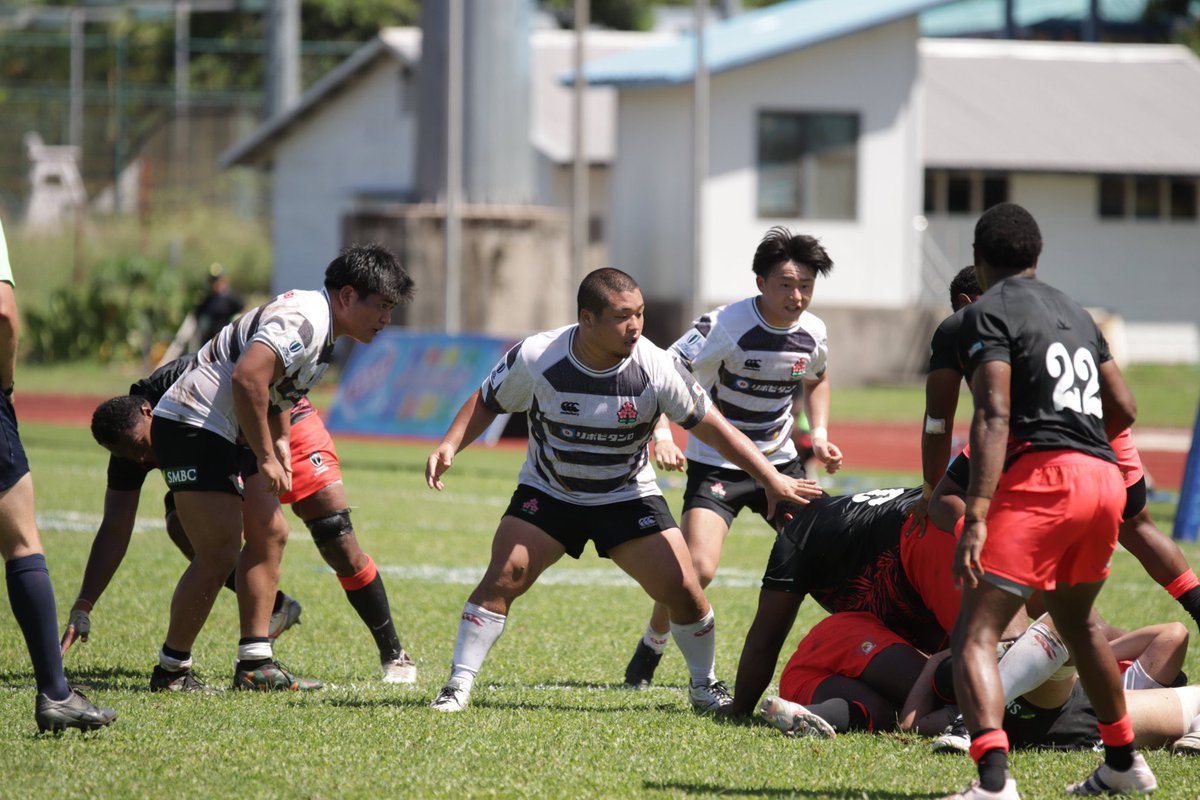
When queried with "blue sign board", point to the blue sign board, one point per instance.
{"points": [[411, 384]]}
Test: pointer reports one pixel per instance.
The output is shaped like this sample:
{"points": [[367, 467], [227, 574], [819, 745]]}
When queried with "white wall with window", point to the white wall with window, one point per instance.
{"points": [[819, 139], [1128, 244]]}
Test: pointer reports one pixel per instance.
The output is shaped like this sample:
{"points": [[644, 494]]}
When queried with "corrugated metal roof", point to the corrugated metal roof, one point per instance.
{"points": [[1070, 107], [976, 17], [751, 37]]}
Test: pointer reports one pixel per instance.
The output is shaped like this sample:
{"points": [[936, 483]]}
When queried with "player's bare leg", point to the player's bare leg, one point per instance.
{"points": [[661, 564], [704, 532], [328, 519], [1162, 559], [520, 553]]}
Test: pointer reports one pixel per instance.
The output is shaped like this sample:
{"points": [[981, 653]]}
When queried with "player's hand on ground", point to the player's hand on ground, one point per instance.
{"points": [[668, 456], [439, 461], [967, 566], [79, 625], [828, 454], [278, 477]]}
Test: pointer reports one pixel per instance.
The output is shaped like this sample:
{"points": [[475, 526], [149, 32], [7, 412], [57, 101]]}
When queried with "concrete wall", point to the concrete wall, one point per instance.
{"points": [[873, 73], [361, 138], [1145, 270], [515, 266]]}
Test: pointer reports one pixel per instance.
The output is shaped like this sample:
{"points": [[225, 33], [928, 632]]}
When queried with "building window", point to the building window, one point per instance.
{"points": [[958, 193], [962, 192], [1183, 198], [1112, 196], [807, 165], [1147, 197], [995, 190]]}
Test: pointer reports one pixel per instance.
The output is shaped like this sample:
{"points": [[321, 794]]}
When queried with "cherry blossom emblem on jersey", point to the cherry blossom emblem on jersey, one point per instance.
{"points": [[627, 414], [799, 367]]}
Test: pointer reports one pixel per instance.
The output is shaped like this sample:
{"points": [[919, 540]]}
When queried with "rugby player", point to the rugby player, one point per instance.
{"points": [[30, 593], [1158, 554], [264, 362], [122, 426], [594, 391], [1048, 397], [754, 358]]}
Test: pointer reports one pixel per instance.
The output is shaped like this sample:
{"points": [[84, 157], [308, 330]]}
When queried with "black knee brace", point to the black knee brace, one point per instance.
{"points": [[326, 529]]}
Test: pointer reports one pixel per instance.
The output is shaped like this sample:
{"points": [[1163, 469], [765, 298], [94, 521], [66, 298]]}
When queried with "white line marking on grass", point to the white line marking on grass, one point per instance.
{"points": [[599, 576]]}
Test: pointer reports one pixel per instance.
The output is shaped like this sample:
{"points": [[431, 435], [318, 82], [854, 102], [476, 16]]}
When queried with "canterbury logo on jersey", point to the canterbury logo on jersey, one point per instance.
{"points": [[752, 363], [570, 408]]}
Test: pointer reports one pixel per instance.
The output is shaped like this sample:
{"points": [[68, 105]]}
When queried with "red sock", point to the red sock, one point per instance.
{"points": [[361, 578], [1184, 583]]}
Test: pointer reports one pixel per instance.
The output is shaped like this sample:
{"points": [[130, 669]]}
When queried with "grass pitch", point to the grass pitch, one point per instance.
{"points": [[548, 716]]}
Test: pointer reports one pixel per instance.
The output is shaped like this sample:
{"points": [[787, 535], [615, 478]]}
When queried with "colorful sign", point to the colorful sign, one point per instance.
{"points": [[411, 384]]}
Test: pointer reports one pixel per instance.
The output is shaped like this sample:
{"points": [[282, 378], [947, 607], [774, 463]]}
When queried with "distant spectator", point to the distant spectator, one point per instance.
{"points": [[218, 308]]}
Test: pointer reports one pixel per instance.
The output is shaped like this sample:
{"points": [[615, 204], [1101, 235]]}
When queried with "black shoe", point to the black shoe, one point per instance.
{"points": [[76, 711], [640, 671], [163, 680]]}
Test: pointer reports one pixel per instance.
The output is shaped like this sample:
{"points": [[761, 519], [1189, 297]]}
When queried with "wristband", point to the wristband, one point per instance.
{"points": [[926, 491], [819, 432], [82, 599], [663, 435]]}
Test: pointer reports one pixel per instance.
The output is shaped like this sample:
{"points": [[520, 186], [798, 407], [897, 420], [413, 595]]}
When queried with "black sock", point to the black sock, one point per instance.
{"points": [[993, 768], [371, 603], [1119, 757], [250, 664], [1190, 600], [278, 602], [32, 600], [842, 715], [231, 581]]}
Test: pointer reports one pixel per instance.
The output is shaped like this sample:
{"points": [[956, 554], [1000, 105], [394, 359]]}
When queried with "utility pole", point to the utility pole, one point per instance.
{"points": [[579, 175], [454, 159], [694, 300]]}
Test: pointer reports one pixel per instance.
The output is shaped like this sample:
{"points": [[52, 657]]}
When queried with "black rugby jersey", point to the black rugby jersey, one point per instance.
{"points": [[943, 347], [1055, 351], [845, 553], [125, 474]]}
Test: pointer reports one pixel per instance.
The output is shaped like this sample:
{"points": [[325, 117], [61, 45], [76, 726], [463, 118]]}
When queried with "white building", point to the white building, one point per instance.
{"points": [[353, 136]]}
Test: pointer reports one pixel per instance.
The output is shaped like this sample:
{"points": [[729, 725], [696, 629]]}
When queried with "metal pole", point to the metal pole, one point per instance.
{"points": [[1010, 19], [1091, 23], [182, 86], [119, 118], [75, 126], [454, 157], [693, 304], [579, 182]]}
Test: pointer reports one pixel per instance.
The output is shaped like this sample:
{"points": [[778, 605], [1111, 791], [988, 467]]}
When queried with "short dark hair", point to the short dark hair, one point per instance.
{"points": [[965, 282], [113, 418], [370, 269], [598, 284], [1007, 237], [780, 245]]}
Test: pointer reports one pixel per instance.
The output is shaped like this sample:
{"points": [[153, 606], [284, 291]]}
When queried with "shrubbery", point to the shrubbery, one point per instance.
{"points": [[124, 307]]}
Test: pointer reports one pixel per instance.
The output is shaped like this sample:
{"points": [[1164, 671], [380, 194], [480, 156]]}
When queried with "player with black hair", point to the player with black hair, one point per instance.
{"points": [[122, 426], [759, 359], [593, 391]]}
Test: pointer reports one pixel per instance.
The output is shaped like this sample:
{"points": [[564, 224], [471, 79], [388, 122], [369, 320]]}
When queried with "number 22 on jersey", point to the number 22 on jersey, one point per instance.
{"points": [[1071, 371]]}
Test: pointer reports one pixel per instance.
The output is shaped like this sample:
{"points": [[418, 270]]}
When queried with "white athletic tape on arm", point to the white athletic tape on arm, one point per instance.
{"points": [[934, 426], [820, 433]]}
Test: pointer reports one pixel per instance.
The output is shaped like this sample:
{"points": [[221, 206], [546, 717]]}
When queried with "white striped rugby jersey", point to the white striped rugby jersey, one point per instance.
{"points": [[753, 372], [297, 326], [587, 429]]}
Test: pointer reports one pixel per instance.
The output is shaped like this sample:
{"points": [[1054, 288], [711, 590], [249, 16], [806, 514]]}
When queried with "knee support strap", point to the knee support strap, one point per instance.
{"points": [[327, 528]]}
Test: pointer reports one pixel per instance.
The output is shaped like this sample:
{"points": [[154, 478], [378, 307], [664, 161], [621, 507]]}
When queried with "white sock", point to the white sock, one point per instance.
{"points": [[656, 641], [698, 644], [1189, 701], [1031, 660], [173, 664], [478, 630], [255, 651]]}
